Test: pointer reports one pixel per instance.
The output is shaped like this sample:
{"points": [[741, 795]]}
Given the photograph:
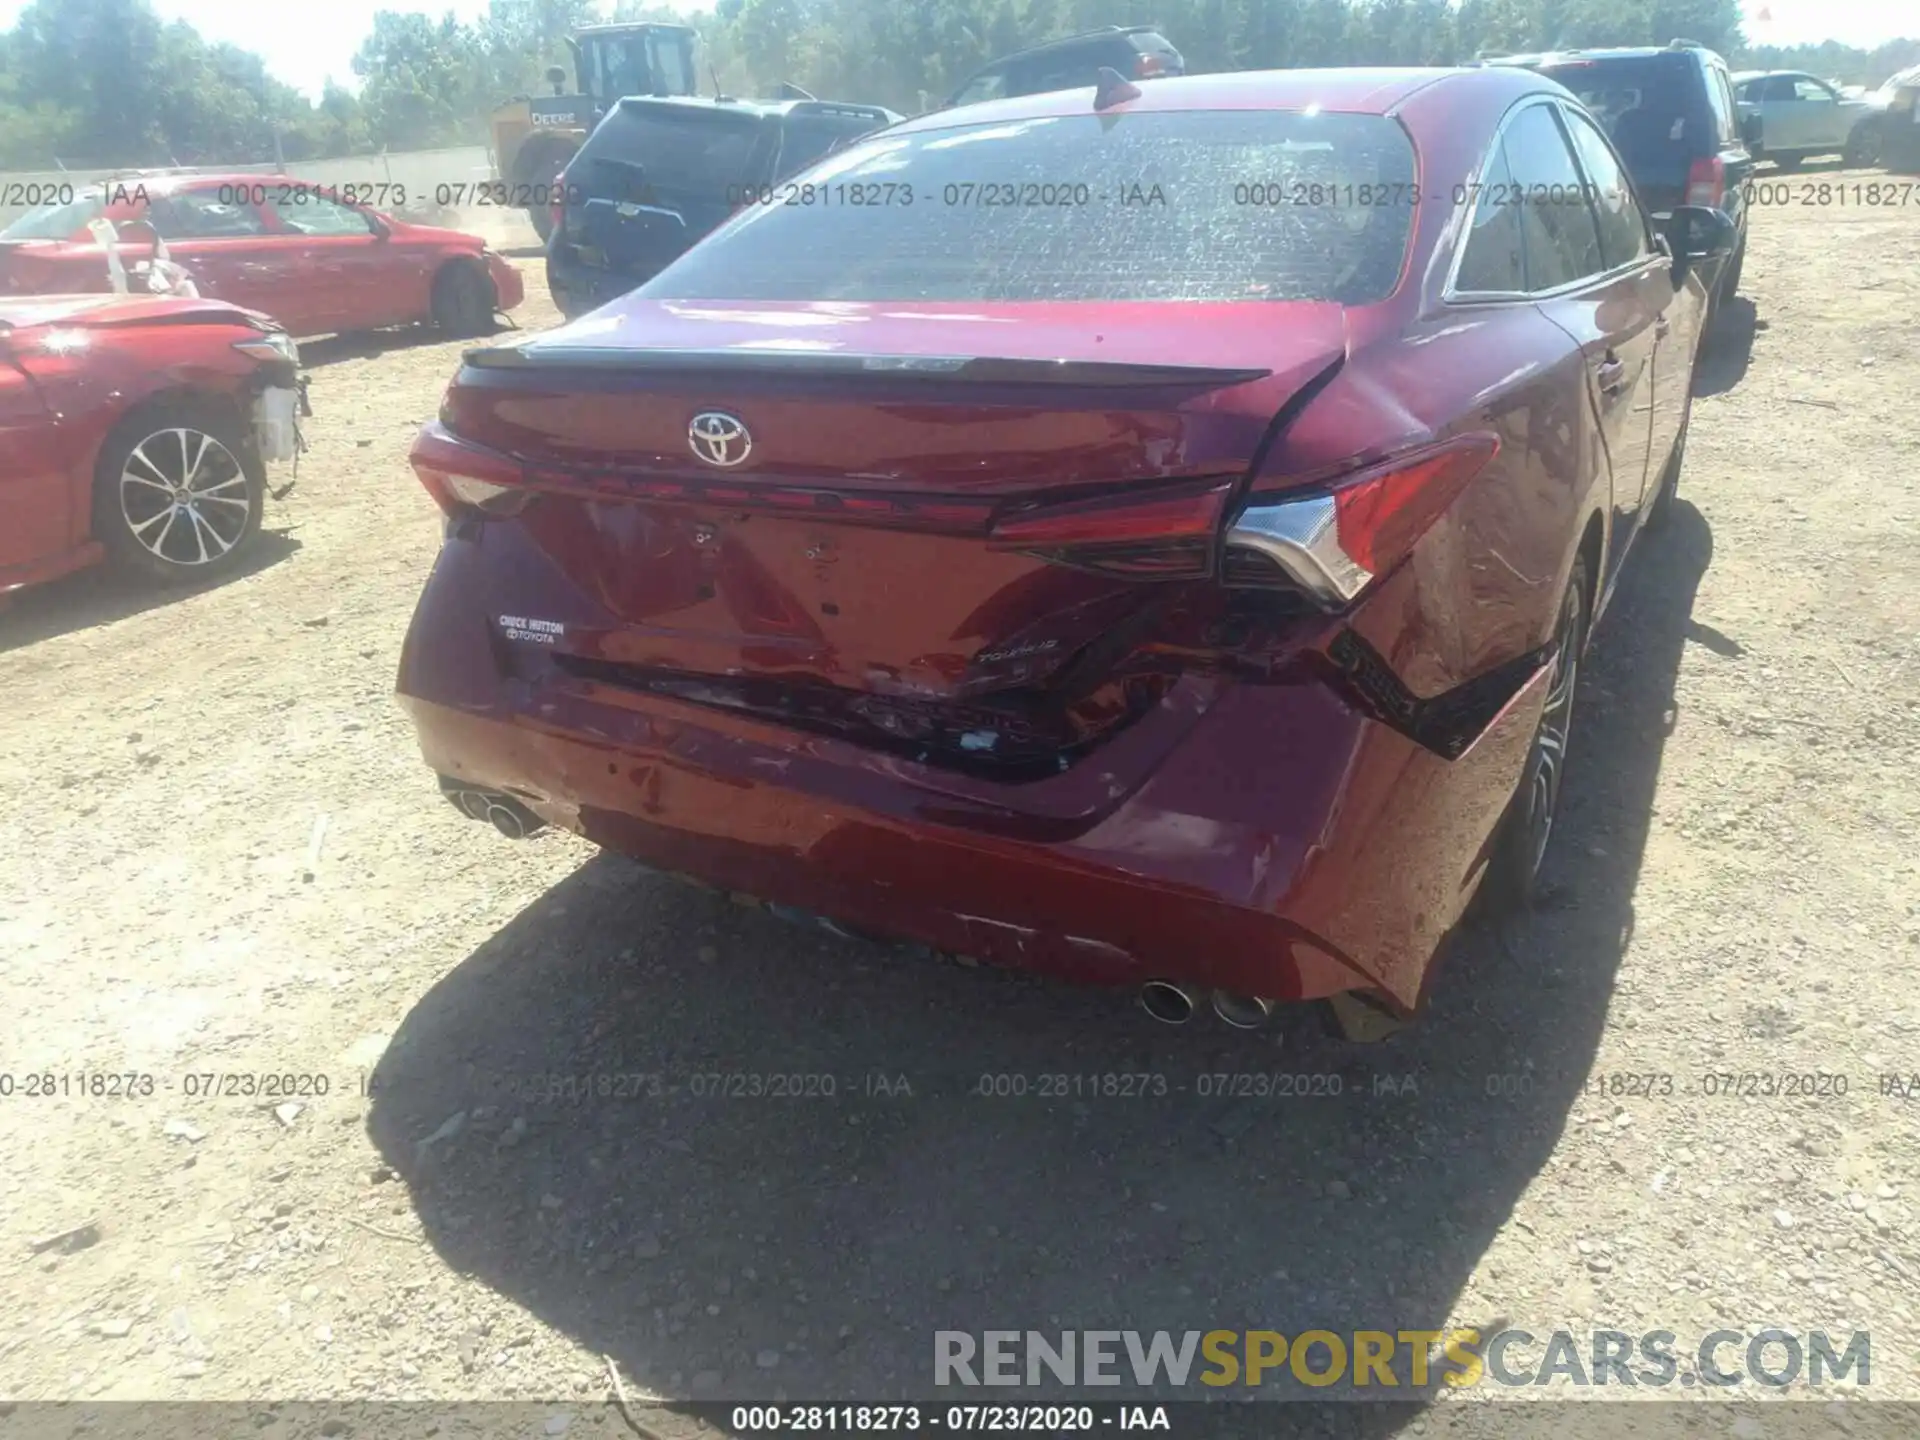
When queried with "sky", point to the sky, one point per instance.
{"points": [[305, 41]]}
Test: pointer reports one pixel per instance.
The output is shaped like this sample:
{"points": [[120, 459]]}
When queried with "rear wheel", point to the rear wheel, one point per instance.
{"points": [[178, 491], [463, 301], [1520, 846], [542, 219], [1863, 146]]}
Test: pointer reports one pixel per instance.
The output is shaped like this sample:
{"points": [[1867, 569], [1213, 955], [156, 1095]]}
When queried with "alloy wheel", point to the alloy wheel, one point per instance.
{"points": [[184, 497]]}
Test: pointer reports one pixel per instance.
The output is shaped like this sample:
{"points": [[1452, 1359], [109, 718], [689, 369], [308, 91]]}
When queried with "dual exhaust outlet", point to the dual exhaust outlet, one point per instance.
{"points": [[1175, 1004], [506, 814]]}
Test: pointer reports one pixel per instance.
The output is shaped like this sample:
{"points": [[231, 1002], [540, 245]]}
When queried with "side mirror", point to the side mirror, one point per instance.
{"points": [[1698, 232], [381, 230]]}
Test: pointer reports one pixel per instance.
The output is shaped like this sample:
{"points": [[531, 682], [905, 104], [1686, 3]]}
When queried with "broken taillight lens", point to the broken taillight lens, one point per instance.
{"points": [[1334, 541], [1165, 534], [466, 479]]}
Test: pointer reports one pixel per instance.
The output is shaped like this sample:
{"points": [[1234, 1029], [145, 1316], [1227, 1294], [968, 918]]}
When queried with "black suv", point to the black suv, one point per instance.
{"points": [[1139, 52], [1671, 115], [658, 173]]}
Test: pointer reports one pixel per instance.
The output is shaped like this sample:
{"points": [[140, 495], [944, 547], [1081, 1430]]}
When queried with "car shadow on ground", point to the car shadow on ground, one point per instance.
{"points": [[666, 1208], [101, 595], [1729, 347]]}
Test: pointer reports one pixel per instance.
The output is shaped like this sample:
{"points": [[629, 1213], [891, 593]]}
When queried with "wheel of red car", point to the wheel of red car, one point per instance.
{"points": [[1520, 849], [178, 491], [463, 300]]}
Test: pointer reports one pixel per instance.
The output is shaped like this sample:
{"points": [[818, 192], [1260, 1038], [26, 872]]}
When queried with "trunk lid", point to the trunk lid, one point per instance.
{"points": [[864, 561]]}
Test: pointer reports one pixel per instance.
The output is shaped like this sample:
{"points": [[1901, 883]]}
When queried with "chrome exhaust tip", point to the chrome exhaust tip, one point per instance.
{"points": [[1167, 1002], [508, 821], [506, 814], [1243, 1012]]}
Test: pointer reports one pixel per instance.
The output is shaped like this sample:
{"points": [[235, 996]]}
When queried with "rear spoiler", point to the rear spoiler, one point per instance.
{"points": [[976, 369], [843, 110]]}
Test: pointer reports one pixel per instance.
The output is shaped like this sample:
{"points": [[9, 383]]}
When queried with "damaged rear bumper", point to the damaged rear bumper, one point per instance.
{"points": [[1282, 842]]}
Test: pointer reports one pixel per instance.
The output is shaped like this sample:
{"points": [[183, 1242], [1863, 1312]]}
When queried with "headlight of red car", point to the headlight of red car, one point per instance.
{"points": [[273, 345]]}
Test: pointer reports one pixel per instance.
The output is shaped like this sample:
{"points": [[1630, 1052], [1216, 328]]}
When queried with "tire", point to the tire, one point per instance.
{"points": [[463, 301], [1863, 146], [1660, 514], [1786, 162], [1520, 844], [542, 219], [178, 491]]}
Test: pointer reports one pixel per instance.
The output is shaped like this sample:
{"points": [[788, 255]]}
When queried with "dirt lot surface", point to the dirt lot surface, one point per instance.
{"points": [[222, 857]]}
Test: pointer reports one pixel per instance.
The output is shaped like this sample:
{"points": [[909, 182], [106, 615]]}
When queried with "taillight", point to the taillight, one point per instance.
{"points": [[1148, 66], [1334, 542], [464, 479], [557, 203], [1166, 534], [1707, 182]]}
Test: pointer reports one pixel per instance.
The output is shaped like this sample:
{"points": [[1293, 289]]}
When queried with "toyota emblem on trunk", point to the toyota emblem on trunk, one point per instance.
{"points": [[719, 438]]}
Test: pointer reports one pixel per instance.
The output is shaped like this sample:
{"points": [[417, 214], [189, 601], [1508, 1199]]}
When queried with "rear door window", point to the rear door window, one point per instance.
{"points": [[1556, 220], [1623, 228], [1495, 259], [203, 215], [1187, 205], [314, 215], [1720, 98]]}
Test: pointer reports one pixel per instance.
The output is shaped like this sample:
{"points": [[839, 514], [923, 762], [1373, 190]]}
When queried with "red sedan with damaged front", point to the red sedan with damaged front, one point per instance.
{"points": [[304, 254], [1148, 533], [139, 428]]}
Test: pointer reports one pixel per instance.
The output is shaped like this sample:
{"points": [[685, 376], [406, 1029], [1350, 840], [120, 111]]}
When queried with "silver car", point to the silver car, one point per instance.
{"points": [[1789, 116], [1900, 122]]}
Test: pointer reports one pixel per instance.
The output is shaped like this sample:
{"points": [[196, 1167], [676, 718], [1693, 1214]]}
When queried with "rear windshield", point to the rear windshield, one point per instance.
{"points": [[1653, 108], [54, 222], [1193, 205], [675, 150]]}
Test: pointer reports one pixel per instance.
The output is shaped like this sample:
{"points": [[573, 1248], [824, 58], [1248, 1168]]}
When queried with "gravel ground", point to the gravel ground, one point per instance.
{"points": [[221, 856]]}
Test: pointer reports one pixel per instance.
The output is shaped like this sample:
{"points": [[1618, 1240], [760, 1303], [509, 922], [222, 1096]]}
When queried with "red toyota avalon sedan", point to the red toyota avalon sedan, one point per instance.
{"points": [[297, 252], [1147, 533], [138, 427]]}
